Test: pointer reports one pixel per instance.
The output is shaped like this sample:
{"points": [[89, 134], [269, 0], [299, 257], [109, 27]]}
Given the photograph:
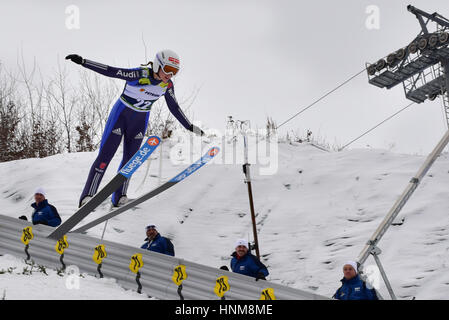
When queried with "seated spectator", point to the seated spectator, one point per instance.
{"points": [[44, 213], [353, 288], [245, 263], [157, 243]]}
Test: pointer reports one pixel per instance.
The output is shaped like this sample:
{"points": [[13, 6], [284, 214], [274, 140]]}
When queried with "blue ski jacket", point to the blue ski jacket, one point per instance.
{"points": [[159, 244], [142, 89], [45, 213], [248, 265], [355, 289]]}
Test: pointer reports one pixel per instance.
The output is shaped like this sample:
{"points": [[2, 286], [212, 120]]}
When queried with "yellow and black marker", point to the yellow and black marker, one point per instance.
{"points": [[134, 266], [221, 286], [268, 294], [99, 255], [179, 275], [60, 246], [27, 235]]}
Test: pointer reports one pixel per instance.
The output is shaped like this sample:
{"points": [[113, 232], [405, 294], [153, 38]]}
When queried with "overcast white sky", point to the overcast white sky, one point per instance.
{"points": [[252, 59]]}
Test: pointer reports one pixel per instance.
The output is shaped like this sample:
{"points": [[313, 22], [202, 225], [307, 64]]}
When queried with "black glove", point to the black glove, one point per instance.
{"points": [[259, 276], [75, 58], [224, 268], [40, 222], [23, 218], [196, 130]]}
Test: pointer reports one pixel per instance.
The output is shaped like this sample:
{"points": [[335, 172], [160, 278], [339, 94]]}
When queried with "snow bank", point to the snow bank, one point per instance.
{"points": [[316, 212], [20, 280]]}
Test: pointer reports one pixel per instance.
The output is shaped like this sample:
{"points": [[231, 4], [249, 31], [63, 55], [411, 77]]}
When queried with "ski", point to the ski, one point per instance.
{"points": [[125, 173], [210, 154]]}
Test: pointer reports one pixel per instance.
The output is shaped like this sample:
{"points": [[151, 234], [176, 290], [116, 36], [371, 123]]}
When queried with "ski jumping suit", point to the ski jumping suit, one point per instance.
{"points": [[128, 118]]}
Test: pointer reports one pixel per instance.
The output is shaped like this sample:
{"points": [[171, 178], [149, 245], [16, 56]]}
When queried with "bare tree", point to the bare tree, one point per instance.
{"points": [[38, 136], [271, 127], [27, 79], [96, 96], [8, 86], [60, 97]]}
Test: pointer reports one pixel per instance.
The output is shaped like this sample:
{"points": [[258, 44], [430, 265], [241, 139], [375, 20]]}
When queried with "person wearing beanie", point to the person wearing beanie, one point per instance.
{"points": [[353, 288], [245, 263], [44, 213], [157, 243]]}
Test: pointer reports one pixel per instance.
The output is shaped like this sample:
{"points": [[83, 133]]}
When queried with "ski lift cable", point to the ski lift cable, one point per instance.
{"points": [[385, 120], [322, 97]]}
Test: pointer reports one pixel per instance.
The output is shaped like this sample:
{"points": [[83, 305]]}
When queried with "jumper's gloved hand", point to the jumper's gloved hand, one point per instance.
{"points": [[224, 268], [75, 58], [260, 276], [196, 130]]}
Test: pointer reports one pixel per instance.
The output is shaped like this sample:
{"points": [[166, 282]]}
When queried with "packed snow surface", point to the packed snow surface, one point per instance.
{"points": [[316, 212]]}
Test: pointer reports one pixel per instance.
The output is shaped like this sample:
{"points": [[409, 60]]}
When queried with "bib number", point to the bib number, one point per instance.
{"points": [[143, 104]]}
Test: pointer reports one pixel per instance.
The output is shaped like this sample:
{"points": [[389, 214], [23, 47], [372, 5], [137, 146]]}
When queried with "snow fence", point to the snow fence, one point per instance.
{"points": [[160, 276]]}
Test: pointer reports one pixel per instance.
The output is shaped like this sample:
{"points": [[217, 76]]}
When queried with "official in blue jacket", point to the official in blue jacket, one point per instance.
{"points": [[245, 263], [44, 213], [157, 243], [353, 288]]}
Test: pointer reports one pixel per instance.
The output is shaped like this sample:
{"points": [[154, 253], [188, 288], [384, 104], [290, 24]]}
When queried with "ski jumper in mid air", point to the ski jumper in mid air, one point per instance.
{"points": [[129, 115]]}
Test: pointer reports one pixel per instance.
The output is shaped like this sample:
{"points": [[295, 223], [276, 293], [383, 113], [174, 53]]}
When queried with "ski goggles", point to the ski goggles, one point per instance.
{"points": [[151, 226], [170, 70]]}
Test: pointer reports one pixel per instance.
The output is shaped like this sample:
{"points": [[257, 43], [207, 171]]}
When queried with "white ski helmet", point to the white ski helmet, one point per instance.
{"points": [[168, 60]]}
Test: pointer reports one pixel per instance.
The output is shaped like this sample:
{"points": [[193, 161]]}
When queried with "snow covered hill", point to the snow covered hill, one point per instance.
{"points": [[316, 212], [19, 281]]}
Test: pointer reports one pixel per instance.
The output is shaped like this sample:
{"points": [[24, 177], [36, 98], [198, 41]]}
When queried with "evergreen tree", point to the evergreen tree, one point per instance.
{"points": [[9, 121]]}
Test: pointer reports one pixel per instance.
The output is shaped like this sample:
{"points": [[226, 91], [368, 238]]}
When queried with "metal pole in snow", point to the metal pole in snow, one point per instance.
{"points": [[253, 216], [104, 229], [400, 203], [160, 165], [246, 171]]}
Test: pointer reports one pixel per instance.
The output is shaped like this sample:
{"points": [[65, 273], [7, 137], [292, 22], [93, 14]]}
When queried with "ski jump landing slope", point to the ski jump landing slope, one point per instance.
{"points": [[316, 212]]}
